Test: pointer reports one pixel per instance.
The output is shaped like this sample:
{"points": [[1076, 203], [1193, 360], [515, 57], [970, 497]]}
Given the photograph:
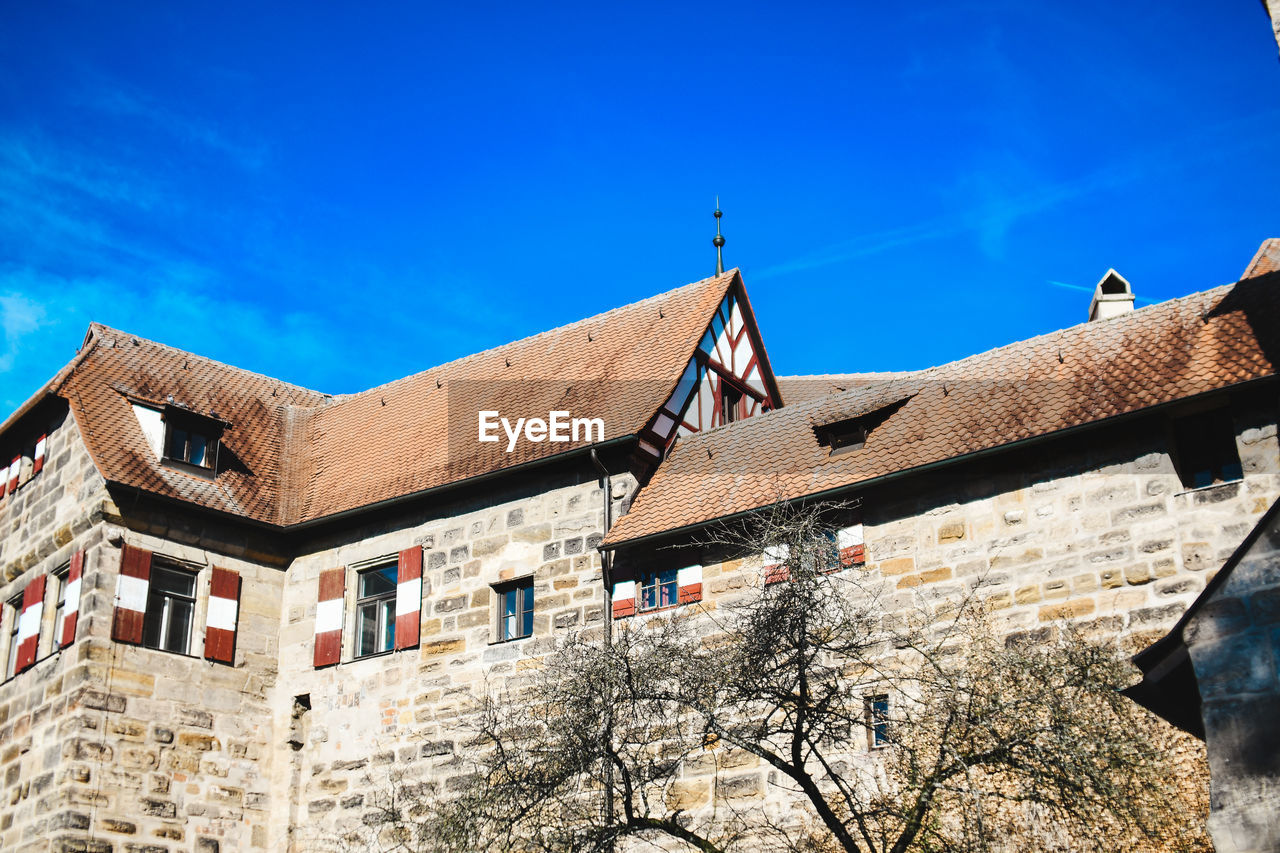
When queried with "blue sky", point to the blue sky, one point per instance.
{"points": [[340, 196]]}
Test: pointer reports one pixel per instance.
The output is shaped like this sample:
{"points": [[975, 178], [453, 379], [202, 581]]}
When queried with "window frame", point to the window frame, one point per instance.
{"points": [[657, 582], [877, 720], [161, 604], [187, 423], [59, 576], [384, 618], [525, 600], [12, 611]]}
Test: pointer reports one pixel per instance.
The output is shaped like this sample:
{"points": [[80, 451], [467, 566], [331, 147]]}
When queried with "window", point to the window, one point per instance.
{"points": [[877, 720], [730, 402], [11, 612], [515, 610], [59, 579], [658, 589], [171, 607], [376, 611], [190, 447], [1206, 449], [851, 434], [191, 440]]}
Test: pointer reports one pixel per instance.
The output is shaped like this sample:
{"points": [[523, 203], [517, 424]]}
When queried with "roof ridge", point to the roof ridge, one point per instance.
{"points": [[908, 378], [114, 334], [1109, 323], [727, 276]]}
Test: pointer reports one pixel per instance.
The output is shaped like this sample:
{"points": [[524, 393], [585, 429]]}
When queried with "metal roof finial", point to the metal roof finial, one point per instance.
{"points": [[718, 242]]}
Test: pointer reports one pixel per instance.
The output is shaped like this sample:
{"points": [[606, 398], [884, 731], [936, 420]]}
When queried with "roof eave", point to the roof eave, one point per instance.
{"points": [[835, 491]]}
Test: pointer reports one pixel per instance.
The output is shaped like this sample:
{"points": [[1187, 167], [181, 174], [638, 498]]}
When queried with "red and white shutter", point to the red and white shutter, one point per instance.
{"points": [[775, 563], [852, 549], [328, 649], [624, 599], [14, 470], [408, 597], [224, 607], [66, 632], [131, 595], [39, 454], [689, 584], [28, 636]]}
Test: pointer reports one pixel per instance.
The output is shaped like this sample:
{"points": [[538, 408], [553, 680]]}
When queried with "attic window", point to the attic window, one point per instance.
{"points": [[851, 434], [1205, 446], [191, 440]]}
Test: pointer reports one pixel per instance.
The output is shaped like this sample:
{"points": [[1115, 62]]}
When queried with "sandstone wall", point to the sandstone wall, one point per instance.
{"points": [[361, 723]]}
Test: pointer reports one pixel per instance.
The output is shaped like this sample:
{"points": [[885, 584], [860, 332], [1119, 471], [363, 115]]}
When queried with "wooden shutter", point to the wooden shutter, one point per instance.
{"points": [[66, 632], [408, 597], [852, 549], [328, 648], [131, 595], [39, 455], [689, 584], [224, 607], [28, 637], [775, 568], [624, 599], [14, 470]]}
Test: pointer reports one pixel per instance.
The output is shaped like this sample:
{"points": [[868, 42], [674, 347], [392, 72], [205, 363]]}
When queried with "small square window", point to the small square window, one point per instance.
{"points": [[191, 440], [515, 610], [171, 607], [1206, 449], [376, 610], [877, 720], [658, 589]]}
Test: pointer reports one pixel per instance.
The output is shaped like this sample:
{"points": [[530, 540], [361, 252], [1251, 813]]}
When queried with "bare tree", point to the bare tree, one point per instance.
{"points": [[815, 712]]}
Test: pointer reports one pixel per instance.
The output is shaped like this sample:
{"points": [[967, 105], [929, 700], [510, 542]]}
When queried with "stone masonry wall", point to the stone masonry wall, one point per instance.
{"points": [[397, 714], [107, 747], [54, 514], [1234, 641], [1103, 535]]}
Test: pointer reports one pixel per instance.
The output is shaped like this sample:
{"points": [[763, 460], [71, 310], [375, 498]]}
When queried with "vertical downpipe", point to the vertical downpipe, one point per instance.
{"points": [[606, 576]]}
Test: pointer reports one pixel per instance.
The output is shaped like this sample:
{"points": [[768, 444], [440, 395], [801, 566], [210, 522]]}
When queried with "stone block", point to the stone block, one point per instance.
{"points": [[1074, 609]]}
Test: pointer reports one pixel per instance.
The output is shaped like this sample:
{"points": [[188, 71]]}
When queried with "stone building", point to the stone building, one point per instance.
{"points": [[230, 603]]}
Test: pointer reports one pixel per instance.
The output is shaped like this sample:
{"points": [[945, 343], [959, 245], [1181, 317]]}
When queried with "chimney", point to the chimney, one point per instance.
{"points": [[1112, 297]]}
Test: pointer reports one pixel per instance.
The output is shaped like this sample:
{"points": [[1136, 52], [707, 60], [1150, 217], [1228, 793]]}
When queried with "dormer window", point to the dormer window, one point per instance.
{"points": [[850, 434], [185, 445], [191, 440]]}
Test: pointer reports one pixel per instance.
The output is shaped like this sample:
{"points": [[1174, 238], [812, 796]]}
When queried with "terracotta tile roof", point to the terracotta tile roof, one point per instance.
{"points": [[420, 432], [114, 366], [803, 389], [302, 455], [1064, 379], [1266, 260]]}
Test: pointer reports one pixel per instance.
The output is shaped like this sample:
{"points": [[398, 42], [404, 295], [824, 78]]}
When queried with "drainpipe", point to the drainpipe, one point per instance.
{"points": [[606, 576]]}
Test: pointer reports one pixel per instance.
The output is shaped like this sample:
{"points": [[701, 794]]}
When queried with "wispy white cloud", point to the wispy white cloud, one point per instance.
{"points": [[1009, 191], [20, 316], [113, 98]]}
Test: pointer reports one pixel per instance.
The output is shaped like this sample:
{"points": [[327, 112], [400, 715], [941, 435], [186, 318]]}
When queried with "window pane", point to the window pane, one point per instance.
{"points": [[388, 625], [197, 450], [526, 625], [367, 629], [177, 443], [378, 581], [178, 629], [173, 581]]}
